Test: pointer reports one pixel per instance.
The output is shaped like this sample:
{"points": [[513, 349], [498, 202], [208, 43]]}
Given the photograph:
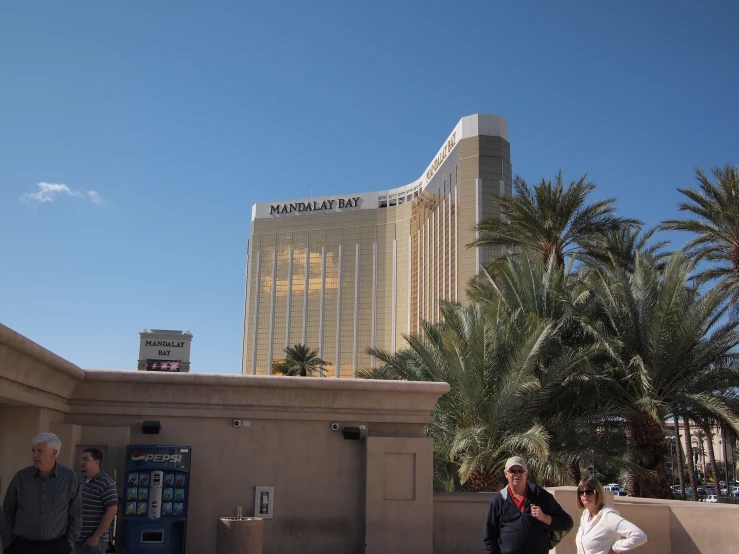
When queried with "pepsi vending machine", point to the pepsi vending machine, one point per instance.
{"points": [[155, 499]]}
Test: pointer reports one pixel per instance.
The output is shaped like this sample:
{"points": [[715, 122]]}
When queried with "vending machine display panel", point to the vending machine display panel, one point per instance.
{"points": [[156, 499]]}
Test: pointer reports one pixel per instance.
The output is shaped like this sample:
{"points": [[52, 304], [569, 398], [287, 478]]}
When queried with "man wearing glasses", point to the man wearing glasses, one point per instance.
{"points": [[522, 515], [99, 504]]}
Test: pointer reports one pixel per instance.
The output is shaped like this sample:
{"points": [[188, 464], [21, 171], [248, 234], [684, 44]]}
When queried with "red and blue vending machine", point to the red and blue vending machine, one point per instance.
{"points": [[155, 499]]}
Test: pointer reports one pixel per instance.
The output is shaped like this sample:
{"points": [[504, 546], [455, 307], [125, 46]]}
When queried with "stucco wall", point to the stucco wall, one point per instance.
{"points": [[459, 520], [331, 495], [315, 472], [399, 488], [319, 478], [17, 426], [674, 527]]}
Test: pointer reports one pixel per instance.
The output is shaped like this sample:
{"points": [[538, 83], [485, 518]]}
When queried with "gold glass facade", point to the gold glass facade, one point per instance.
{"points": [[342, 282]]}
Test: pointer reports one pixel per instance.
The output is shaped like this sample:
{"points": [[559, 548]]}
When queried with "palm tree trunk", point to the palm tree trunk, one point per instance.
{"points": [[712, 458], [654, 454], [646, 453], [680, 459], [573, 471], [632, 483], [689, 456], [482, 481]]}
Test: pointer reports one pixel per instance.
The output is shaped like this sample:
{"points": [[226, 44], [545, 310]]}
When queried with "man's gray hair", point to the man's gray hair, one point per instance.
{"points": [[51, 440]]}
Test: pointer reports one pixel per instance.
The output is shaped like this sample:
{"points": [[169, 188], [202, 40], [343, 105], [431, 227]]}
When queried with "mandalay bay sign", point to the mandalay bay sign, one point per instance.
{"points": [[315, 206]]}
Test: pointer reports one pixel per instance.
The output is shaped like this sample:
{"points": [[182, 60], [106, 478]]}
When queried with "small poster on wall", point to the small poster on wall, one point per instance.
{"points": [[264, 502]]}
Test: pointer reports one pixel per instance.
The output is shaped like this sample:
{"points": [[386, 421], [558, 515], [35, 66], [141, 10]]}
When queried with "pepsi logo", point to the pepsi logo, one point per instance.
{"points": [[138, 455]]}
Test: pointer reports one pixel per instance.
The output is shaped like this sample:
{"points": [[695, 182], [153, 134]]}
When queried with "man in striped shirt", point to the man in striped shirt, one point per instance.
{"points": [[99, 504]]}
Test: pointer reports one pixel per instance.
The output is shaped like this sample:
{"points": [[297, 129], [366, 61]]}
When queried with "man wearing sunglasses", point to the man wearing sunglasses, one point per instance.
{"points": [[522, 515]]}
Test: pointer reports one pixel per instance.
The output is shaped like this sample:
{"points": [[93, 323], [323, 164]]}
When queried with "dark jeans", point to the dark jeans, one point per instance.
{"points": [[54, 546], [80, 548]]}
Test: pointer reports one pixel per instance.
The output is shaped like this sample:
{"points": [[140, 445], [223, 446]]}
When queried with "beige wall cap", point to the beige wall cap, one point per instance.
{"points": [[19, 343]]}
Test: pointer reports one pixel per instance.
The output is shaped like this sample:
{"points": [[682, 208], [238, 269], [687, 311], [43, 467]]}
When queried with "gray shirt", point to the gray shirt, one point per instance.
{"points": [[39, 509]]}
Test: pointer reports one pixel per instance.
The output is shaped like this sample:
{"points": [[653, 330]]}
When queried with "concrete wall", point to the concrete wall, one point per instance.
{"points": [[331, 495], [674, 527], [18, 425], [398, 484], [319, 478], [459, 521]]}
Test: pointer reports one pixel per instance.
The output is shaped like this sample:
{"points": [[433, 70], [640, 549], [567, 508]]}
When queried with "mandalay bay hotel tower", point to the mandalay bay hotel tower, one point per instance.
{"points": [[361, 269]]}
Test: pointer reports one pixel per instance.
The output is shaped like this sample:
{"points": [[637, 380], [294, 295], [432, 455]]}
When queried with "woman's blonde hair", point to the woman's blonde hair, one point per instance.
{"points": [[591, 483]]}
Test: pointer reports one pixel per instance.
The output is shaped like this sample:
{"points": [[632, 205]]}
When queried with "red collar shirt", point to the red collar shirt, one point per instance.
{"points": [[519, 503]]}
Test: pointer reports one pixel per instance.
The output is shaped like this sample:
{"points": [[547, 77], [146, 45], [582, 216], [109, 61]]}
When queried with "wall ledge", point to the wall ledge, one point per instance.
{"points": [[262, 381], [445, 496], [19, 343]]}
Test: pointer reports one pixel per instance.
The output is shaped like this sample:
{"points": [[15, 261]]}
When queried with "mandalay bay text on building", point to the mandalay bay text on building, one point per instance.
{"points": [[358, 270]]}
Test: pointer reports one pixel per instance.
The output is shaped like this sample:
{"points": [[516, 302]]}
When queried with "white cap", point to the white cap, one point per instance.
{"points": [[516, 461]]}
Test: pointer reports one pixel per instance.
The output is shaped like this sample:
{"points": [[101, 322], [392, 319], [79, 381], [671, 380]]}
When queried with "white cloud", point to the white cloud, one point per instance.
{"points": [[48, 192], [95, 197]]}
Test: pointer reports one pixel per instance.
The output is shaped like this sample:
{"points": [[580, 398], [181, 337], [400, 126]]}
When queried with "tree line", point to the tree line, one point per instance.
{"points": [[581, 340]]}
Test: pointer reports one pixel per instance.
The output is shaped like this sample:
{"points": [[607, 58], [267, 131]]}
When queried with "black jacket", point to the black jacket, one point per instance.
{"points": [[508, 531]]}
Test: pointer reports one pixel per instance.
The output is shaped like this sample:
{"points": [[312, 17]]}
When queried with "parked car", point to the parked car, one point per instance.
{"points": [[711, 498]]}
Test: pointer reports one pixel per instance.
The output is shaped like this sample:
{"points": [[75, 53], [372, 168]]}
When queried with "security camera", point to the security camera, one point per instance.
{"points": [[334, 426], [236, 423]]}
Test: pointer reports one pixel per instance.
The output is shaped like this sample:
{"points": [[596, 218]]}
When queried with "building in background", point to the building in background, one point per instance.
{"points": [[347, 272], [722, 440], [164, 350]]}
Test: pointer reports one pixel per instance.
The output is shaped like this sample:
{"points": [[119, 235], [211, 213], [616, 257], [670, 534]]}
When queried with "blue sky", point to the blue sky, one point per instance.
{"points": [[167, 120]]}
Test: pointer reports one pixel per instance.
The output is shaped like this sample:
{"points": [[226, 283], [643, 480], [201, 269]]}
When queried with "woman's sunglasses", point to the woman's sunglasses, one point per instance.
{"points": [[586, 492]]}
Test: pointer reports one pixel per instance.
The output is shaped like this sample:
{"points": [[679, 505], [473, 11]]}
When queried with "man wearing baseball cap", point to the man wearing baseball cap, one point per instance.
{"points": [[521, 517]]}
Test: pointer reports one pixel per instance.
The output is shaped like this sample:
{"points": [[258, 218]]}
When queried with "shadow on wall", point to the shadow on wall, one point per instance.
{"points": [[682, 543], [459, 520]]}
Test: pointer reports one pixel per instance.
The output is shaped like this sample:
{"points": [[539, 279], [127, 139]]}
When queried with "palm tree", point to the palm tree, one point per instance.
{"points": [[714, 219], [300, 360], [619, 247], [524, 283], [700, 438], [666, 348], [680, 456], [490, 359], [552, 219], [691, 461], [706, 426]]}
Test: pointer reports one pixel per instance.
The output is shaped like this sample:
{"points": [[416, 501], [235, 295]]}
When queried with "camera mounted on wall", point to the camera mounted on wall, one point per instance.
{"points": [[350, 432]]}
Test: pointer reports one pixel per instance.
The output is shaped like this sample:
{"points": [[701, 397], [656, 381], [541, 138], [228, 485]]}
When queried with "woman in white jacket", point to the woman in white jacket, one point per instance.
{"points": [[602, 529]]}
